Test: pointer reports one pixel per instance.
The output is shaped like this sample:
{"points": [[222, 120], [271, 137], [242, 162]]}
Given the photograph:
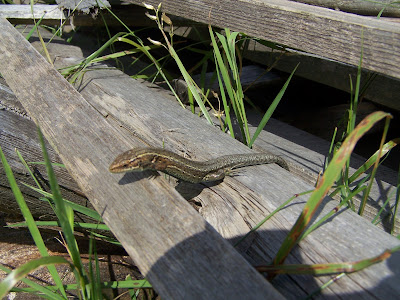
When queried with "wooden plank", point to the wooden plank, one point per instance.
{"points": [[331, 34], [383, 90], [47, 11], [52, 15], [85, 6], [360, 7], [16, 133], [180, 253], [309, 151]]}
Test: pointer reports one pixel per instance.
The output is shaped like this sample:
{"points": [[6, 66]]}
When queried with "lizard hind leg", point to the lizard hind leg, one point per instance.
{"points": [[216, 175]]}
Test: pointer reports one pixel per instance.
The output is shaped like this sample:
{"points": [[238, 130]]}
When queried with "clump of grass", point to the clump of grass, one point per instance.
{"points": [[337, 172], [345, 182], [299, 232], [228, 75], [88, 283]]}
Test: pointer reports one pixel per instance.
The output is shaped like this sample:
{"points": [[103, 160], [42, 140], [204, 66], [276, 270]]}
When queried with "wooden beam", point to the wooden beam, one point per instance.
{"points": [[47, 11], [332, 34], [174, 247], [360, 7]]}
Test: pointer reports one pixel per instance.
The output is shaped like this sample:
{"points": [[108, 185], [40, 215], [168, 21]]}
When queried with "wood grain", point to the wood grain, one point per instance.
{"points": [[17, 133], [332, 34], [48, 12], [180, 253], [22, 14], [359, 7]]}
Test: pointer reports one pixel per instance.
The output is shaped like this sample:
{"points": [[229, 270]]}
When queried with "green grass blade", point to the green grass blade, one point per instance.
{"points": [[271, 108], [61, 211], [34, 28], [314, 226], [355, 98], [270, 216], [371, 161], [334, 168], [317, 291], [379, 218], [106, 238], [227, 109], [366, 194], [87, 61], [226, 84], [42, 163], [27, 168], [123, 284], [46, 292], [331, 148], [29, 220], [95, 281], [222, 68], [55, 223], [396, 205], [191, 84], [385, 6], [229, 46], [76, 207], [16, 275]]}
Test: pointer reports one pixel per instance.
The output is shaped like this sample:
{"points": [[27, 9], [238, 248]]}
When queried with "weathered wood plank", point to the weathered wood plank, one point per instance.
{"points": [[47, 11], [180, 253], [52, 15], [16, 133], [85, 6], [382, 90], [360, 7], [331, 34]]}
